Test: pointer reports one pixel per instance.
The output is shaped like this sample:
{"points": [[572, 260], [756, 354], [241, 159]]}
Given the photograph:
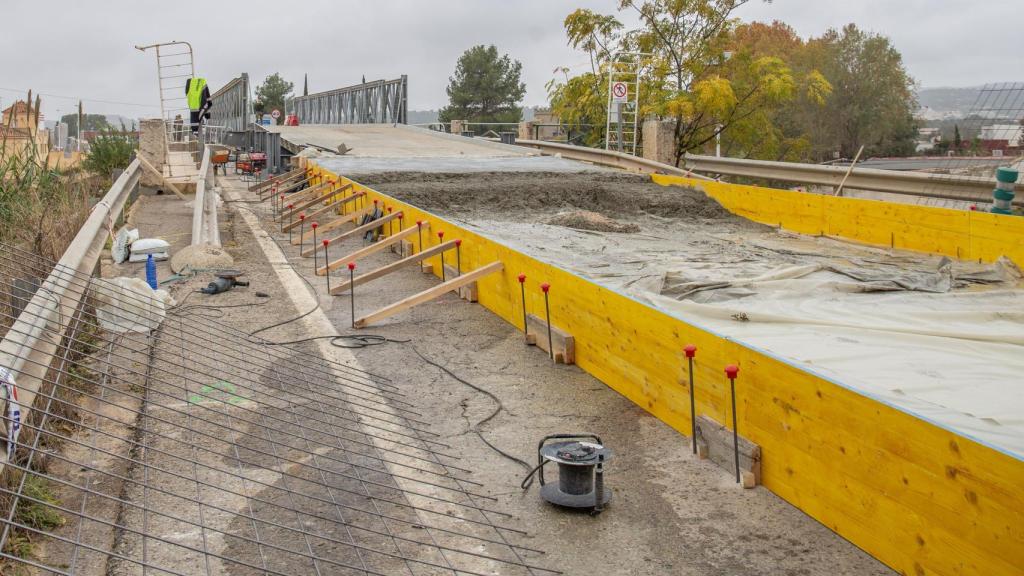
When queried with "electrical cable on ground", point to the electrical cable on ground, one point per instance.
{"points": [[499, 406]]}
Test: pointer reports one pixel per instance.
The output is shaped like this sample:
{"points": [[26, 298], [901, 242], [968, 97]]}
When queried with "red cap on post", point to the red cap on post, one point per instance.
{"points": [[690, 350], [302, 216], [522, 278], [440, 234], [351, 265], [731, 371], [419, 222], [290, 206], [314, 225], [458, 241], [375, 201], [545, 287], [401, 215], [326, 242], [390, 209], [282, 197]]}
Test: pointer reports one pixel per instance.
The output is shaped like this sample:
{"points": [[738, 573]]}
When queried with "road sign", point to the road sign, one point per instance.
{"points": [[276, 113], [620, 93]]}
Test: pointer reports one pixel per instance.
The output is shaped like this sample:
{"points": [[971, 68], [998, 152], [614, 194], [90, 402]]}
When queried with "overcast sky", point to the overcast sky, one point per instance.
{"points": [[84, 49]]}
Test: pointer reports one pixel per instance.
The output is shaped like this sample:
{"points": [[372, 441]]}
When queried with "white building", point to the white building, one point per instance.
{"points": [[1012, 133]]}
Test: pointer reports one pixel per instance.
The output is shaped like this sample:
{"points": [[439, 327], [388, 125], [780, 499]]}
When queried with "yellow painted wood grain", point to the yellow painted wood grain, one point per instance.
{"points": [[920, 498], [963, 234]]}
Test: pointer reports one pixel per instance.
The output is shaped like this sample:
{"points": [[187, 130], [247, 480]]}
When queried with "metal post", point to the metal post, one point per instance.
{"points": [[731, 371], [291, 218], [440, 240], [327, 266], [522, 288], [618, 125], [352, 290], [314, 225], [691, 351], [458, 257], [547, 311], [302, 229], [419, 232]]}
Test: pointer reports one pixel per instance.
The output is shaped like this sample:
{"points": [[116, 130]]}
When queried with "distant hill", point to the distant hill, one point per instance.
{"points": [[948, 102]]}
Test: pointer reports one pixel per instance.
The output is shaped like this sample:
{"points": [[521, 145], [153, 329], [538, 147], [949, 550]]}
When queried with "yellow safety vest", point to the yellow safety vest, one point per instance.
{"points": [[195, 93]]}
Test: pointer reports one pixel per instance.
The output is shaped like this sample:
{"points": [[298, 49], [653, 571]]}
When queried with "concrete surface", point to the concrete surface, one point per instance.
{"points": [[401, 141]]}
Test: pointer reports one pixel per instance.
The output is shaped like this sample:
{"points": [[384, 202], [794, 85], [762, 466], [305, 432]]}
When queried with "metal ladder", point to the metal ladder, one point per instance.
{"points": [[175, 67], [621, 130]]}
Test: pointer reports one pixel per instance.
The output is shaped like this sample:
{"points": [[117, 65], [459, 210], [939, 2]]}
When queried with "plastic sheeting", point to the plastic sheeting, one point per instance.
{"points": [[939, 338], [129, 305]]}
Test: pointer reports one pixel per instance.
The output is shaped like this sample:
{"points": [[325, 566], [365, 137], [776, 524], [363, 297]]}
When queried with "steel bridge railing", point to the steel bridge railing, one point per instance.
{"points": [[379, 102]]}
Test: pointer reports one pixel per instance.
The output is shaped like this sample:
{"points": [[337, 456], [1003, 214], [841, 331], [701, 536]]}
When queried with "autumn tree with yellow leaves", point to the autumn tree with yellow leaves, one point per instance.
{"points": [[758, 87]]}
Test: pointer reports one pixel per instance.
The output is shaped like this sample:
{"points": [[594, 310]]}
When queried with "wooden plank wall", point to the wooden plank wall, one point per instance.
{"points": [[919, 498], [972, 235]]}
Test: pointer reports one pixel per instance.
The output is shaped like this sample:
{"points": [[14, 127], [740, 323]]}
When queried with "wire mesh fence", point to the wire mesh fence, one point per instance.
{"points": [[195, 448]]}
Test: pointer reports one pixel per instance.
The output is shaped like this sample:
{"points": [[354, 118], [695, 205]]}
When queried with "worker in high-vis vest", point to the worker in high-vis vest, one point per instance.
{"points": [[198, 94]]}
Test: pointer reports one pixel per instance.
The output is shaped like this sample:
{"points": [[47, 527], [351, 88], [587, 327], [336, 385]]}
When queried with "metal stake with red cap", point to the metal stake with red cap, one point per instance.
{"points": [[313, 226], [458, 256], [280, 206], [326, 266], [302, 229], [522, 288], [391, 223], [352, 290], [419, 233], [440, 240], [291, 218], [691, 351], [731, 371], [547, 311]]}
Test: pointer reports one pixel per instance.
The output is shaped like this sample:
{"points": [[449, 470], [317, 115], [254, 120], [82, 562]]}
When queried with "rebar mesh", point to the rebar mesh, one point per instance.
{"points": [[197, 449]]}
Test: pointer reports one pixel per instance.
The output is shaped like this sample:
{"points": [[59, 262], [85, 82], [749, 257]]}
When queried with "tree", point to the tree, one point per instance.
{"points": [[485, 88], [110, 150], [688, 73], [873, 101], [89, 122], [957, 140], [271, 95]]}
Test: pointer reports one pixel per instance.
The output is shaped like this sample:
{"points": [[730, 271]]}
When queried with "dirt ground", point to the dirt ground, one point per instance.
{"points": [[671, 513], [612, 194]]}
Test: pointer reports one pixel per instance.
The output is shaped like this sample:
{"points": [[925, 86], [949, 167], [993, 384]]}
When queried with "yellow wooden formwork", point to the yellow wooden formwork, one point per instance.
{"points": [[971, 235], [920, 498]]}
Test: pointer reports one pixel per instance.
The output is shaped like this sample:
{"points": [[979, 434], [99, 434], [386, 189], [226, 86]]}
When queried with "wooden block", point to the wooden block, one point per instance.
{"points": [[716, 441], [427, 268], [563, 342], [403, 249], [467, 292]]}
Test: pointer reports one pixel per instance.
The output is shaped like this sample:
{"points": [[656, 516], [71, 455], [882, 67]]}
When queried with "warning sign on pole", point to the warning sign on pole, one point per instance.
{"points": [[275, 114], [620, 93]]}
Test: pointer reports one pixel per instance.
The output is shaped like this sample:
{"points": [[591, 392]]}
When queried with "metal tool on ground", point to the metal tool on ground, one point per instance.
{"points": [[731, 371], [580, 459], [351, 290], [226, 280], [691, 351], [545, 287]]}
